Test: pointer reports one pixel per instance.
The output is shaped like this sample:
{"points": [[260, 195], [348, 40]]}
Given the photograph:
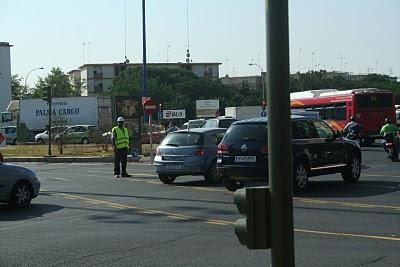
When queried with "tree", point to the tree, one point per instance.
{"points": [[58, 81], [18, 91], [175, 88]]}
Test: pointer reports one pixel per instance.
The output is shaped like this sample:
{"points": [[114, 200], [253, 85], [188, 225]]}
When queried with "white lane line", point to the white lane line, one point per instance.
{"points": [[60, 179]]}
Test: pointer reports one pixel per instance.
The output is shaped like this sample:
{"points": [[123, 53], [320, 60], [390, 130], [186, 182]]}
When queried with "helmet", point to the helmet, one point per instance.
{"points": [[388, 120], [120, 119]]}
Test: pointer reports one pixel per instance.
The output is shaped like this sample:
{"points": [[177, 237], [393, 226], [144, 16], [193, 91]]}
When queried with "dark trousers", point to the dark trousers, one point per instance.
{"points": [[120, 158]]}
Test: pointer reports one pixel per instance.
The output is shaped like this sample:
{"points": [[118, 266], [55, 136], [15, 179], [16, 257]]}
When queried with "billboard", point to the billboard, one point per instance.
{"points": [[170, 114], [129, 108], [207, 108]]}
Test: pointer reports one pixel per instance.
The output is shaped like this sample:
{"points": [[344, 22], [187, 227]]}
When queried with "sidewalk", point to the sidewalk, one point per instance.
{"points": [[62, 159]]}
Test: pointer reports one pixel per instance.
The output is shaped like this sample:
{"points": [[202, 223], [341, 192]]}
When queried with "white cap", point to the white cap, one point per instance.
{"points": [[120, 119]]}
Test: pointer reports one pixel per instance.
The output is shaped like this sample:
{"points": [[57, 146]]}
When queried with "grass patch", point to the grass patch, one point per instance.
{"points": [[69, 150]]}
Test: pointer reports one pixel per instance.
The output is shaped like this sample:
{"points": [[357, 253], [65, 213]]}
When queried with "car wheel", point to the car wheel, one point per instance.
{"points": [[232, 185], [85, 141], [300, 176], [21, 195], [166, 179], [40, 141], [212, 176], [352, 171]]}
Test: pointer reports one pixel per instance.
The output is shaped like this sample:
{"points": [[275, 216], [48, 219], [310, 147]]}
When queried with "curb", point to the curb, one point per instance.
{"points": [[109, 159]]}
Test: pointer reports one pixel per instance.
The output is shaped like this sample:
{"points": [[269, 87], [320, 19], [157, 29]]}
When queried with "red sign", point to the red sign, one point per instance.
{"points": [[149, 106], [2, 138]]}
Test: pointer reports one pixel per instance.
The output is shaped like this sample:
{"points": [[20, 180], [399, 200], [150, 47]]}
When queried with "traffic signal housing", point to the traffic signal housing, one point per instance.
{"points": [[254, 231], [263, 105]]}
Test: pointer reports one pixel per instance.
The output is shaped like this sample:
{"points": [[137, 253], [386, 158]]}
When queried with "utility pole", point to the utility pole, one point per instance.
{"points": [[49, 102], [279, 136]]}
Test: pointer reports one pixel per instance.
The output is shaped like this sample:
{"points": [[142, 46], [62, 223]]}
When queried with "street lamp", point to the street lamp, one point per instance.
{"points": [[262, 79], [168, 46], [26, 78]]}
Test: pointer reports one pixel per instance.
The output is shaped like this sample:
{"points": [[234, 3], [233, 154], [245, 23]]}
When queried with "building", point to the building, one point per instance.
{"points": [[5, 75], [96, 79]]}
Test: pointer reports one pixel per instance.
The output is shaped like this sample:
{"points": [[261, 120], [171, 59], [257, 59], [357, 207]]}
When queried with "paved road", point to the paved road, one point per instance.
{"points": [[84, 216]]}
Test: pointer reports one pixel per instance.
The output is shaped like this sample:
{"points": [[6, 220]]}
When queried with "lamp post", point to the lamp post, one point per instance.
{"points": [[168, 46], [26, 78], [262, 79]]}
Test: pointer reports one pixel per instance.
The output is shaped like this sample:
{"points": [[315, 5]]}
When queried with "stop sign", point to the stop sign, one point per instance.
{"points": [[149, 106]]}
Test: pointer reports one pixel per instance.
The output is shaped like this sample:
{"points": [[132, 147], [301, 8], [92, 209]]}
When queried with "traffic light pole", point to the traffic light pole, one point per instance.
{"points": [[279, 136], [49, 101]]}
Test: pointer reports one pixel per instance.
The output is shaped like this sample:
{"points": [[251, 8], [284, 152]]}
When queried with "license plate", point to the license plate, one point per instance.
{"points": [[245, 158], [173, 166]]}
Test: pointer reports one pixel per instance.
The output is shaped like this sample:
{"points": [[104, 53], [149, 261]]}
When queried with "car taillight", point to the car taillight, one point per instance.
{"points": [[389, 144], [200, 152], [264, 149], [223, 149], [158, 153]]}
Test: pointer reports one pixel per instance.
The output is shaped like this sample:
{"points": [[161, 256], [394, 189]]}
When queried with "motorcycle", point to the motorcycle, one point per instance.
{"points": [[354, 135], [391, 146]]}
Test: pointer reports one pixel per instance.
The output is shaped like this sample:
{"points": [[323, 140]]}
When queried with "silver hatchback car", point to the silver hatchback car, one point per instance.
{"points": [[189, 152], [18, 185]]}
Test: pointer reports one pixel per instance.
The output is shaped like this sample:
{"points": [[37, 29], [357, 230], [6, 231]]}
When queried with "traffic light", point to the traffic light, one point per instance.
{"points": [[254, 231], [263, 105], [160, 107], [48, 95]]}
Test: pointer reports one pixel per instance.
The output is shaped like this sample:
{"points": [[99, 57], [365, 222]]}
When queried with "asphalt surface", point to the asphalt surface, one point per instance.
{"points": [[86, 217]]}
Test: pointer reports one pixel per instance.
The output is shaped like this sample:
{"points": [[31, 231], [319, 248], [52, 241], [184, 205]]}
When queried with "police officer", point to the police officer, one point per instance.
{"points": [[120, 140]]}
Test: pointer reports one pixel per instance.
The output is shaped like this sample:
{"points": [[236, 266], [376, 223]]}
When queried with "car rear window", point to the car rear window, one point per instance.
{"points": [[183, 139], [240, 132], [225, 123]]}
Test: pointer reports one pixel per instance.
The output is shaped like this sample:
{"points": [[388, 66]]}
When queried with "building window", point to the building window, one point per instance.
{"points": [[97, 72], [98, 86]]}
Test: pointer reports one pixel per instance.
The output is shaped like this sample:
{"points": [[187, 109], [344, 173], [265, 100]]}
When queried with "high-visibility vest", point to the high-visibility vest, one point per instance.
{"points": [[121, 137]]}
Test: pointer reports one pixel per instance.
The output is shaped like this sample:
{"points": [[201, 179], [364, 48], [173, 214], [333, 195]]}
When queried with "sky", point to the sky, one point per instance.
{"points": [[360, 36]]}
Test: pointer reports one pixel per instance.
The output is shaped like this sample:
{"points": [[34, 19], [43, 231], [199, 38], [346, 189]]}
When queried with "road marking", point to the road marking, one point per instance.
{"points": [[348, 204], [214, 221], [347, 234], [381, 175], [61, 179]]}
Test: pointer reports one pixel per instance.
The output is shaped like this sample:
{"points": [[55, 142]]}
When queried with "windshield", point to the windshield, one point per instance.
{"points": [[183, 139], [240, 132], [374, 101]]}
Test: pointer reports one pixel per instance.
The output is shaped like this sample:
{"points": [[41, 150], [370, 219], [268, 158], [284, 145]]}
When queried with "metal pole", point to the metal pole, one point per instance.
{"points": [[50, 101], [279, 136], [144, 54]]}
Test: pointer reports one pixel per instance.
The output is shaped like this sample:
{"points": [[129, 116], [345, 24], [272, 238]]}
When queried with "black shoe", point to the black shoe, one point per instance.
{"points": [[126, 175]]}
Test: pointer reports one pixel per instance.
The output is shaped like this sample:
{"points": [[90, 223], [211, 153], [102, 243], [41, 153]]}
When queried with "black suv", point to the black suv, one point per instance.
{"points": [[316, 150]]}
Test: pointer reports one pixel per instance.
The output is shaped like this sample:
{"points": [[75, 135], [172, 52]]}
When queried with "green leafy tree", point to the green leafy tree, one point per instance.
{"points": [[175, 88], [58, 81], [18, 91]]}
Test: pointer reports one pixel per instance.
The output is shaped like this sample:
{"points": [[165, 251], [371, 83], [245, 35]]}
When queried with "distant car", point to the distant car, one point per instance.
{"points": [[11, 135], [219, 122], [191, 124], [78, 134], [44, 136], [18, 185], [316, 150], [189, 152]]}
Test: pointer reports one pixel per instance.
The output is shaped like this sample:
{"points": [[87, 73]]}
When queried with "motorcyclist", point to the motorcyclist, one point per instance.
{"points": [[389, 131], [353, 128]]}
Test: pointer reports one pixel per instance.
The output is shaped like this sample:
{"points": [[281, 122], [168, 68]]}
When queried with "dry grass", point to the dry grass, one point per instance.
{"points": [[69, 150]]}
